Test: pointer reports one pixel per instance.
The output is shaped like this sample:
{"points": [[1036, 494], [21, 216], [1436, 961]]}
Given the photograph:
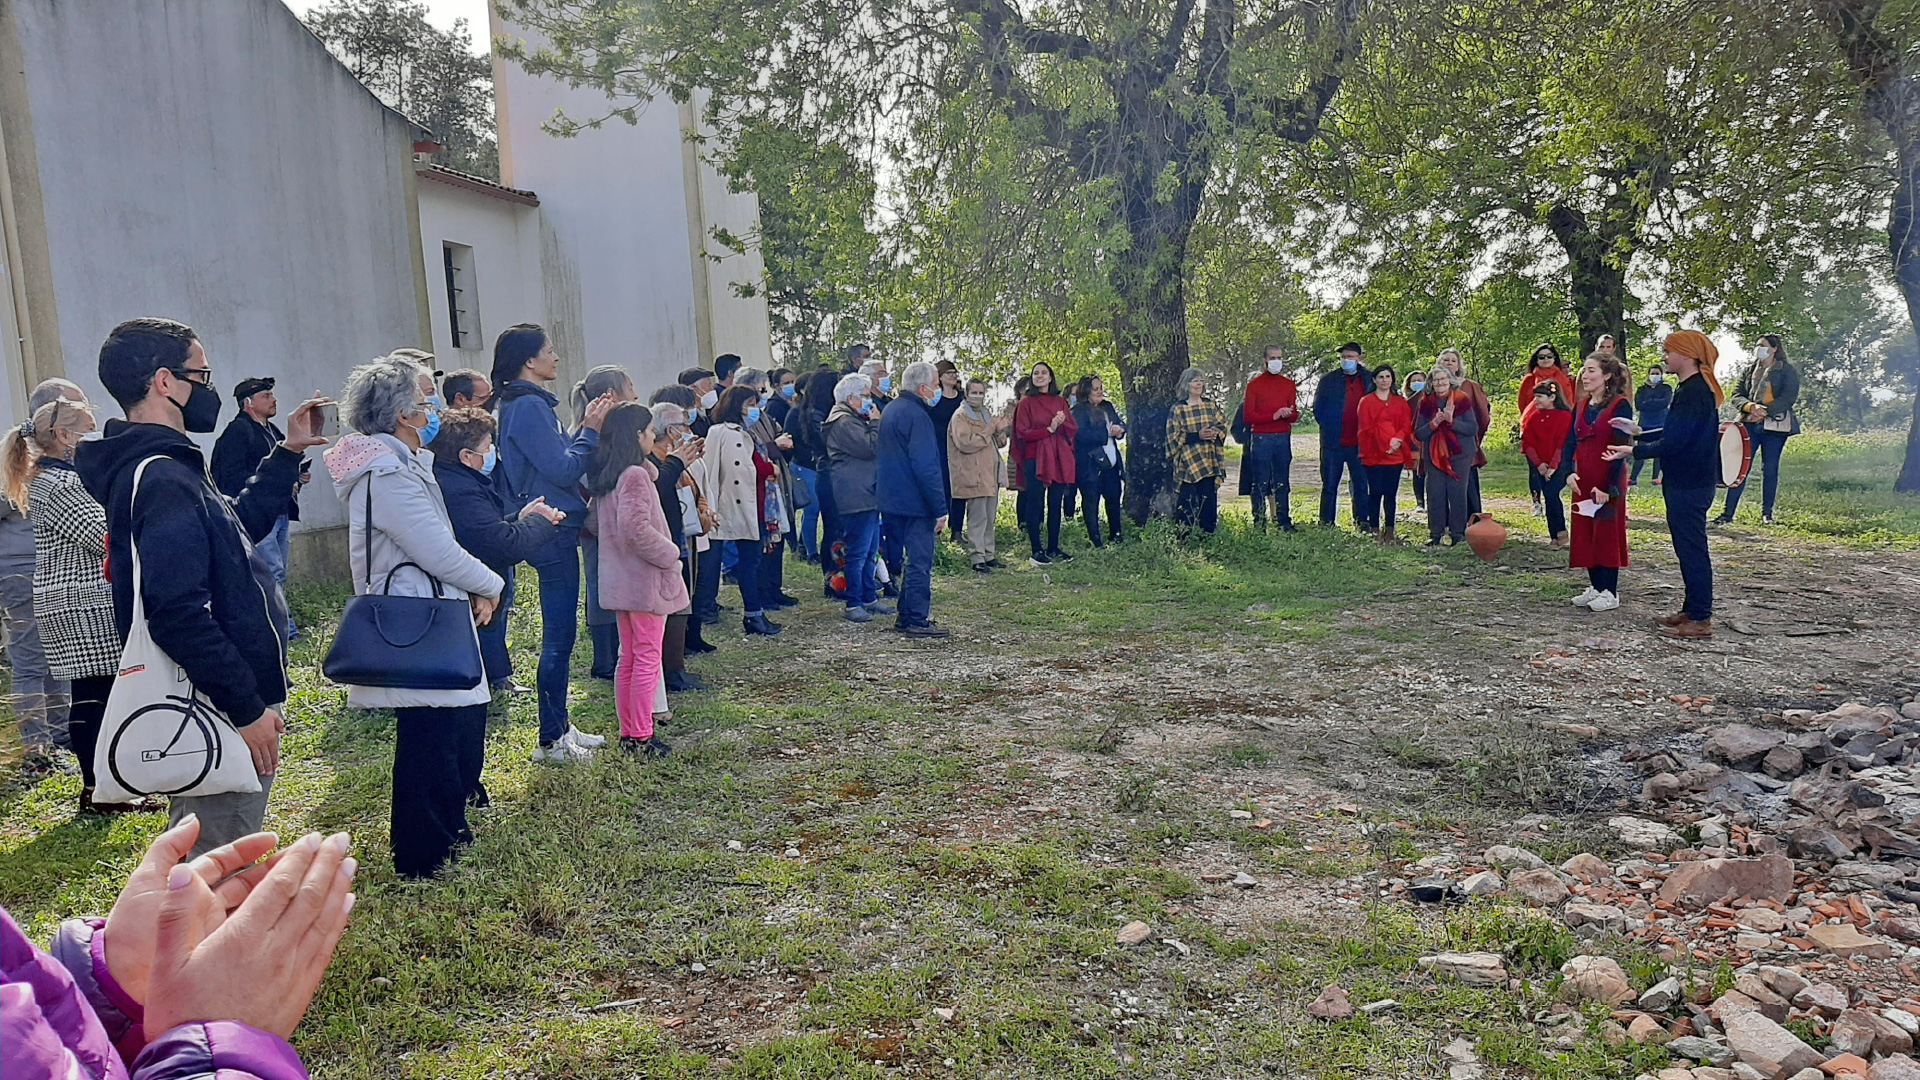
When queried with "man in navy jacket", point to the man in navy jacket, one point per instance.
{"points": [[1336, 404], [212, 605], [913, 491]]}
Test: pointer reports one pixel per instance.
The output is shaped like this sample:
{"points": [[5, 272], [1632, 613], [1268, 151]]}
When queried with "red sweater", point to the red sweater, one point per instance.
{"points": [[1266, 394], [1380, 423], [1050, 452], [1543, 436]]}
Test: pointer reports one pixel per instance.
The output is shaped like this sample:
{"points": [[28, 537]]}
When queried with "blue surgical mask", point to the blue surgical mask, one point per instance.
{"points": [[1349, 366], [1414, 388], [753, 415], [886, 384], [693, 414], [433, 422], [489, 460], [787, 391], [1657, 378], [866, 408]]}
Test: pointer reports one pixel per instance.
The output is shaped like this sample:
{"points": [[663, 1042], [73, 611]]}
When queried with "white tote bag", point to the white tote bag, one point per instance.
{"points": [[160, 735]]}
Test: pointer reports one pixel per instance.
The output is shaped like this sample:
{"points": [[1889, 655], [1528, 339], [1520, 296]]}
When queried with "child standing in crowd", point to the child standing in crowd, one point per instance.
{"points": [[640, 579], [1543, 439], [1386, 446], [1651, 402], [1600, 483]]}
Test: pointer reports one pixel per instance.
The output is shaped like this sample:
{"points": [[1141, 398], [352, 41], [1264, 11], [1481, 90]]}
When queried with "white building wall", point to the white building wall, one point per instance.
{"points": [[618, 221], [209, 161], [505, 238]]}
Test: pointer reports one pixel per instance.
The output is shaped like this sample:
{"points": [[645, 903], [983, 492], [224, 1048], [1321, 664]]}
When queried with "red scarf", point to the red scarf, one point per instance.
{"points": [[1444, 444]]}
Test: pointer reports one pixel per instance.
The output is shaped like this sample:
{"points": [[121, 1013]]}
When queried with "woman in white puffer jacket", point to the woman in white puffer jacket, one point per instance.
{"points": [[440, 737]]}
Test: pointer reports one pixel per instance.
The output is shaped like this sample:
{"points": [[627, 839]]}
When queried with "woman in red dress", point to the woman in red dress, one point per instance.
{"points": [[1043, 430], [1598, 487]]}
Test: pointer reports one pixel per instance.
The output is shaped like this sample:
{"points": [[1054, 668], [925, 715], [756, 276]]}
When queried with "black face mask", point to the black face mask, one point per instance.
{"points": [[202, 409]]}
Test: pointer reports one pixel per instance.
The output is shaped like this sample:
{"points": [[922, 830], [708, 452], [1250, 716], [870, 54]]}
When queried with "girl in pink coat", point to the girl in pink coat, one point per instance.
{"points": [[640, 578]]}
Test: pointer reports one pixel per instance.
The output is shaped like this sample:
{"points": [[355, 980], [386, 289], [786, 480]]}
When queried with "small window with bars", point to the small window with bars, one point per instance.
{"points": [[463, 296]]}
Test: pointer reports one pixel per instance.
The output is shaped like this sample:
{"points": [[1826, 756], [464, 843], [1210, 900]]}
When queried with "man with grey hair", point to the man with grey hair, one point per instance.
{"points": [[39, 700], [913, 492]]}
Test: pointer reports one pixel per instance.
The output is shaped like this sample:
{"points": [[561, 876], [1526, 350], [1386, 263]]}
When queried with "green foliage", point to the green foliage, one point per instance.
{"points": [[429, 75]]}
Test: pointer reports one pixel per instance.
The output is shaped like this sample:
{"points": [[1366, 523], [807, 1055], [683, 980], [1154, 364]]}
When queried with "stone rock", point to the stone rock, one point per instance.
{"points": [[1484, 883], [1743, 1071], [1850, 1064], [1643, 835], [1472, 968], [1764, 919], [1375, 1008], [1240, 815], [1853, 876], [1587, 868], [1597, 978], [1538, 886], [1768, 1047], [1674, 1074], [1135, 932], [1769, 877], [1867, 1033], [1507, 857], [1645, 1029], [1605, 916], [1771, 1005], [1844, 940], [1713, 834], [1708, 1072], [1903, 1020], [1661, 996], [1749, 941], [1332, 1004], [1472, 1070], [1911, 710], [1695, 1048], [1244, 880], [1613, 1034], [1460, 1051], [1894, 1067], [1661, 787], [1901, 929], [1822, 997], [944, 1015], [1784, 981], [1731, 1002], [735, 845], [1738, 744], [1783, 763]]}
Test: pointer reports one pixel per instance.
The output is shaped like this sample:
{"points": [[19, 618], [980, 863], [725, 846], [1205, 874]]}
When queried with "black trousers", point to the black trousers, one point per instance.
{"points": [[1033, 497], [437, 757], [1604, 578], [83, 721], [706, 583], [1199, 503], [1383, 494], [1550, 491], [1687, 524], [1101, 487]]}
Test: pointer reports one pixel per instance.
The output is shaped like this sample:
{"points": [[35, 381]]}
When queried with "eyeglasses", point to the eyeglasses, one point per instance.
{"points": [[203, 376]]}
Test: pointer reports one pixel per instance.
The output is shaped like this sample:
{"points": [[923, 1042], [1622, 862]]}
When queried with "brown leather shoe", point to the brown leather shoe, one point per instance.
{"points": [[1691, 629], [1674, 619]]}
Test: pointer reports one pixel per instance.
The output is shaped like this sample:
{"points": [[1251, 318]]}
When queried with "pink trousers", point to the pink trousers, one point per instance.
{"points": [[637, 678]]}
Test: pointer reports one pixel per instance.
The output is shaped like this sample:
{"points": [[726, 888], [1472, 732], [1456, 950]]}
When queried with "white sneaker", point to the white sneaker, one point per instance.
{"points": [[581, 738], [564, 751], [1606, 601], [1588, 597]]}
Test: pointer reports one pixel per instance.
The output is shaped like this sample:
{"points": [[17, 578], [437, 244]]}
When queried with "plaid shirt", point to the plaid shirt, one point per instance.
{"points": [[1196, 461], [71, 597]]}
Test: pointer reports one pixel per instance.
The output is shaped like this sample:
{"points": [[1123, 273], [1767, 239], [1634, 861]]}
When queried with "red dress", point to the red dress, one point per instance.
{"points": [[1599, 540]]}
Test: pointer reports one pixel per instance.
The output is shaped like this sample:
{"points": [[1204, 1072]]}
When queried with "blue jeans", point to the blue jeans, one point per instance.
{"points": [[1687, 524], [1766, 446], [559, 567], [493, 637], [916, 592], [39, 700], [809, 514], [1332, 460], [863, 540], [746, 571], [1269, 462], [273, 547]]}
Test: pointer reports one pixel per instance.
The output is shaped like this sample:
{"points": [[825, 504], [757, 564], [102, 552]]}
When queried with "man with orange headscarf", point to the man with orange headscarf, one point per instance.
{"points": [[1688, 449]]}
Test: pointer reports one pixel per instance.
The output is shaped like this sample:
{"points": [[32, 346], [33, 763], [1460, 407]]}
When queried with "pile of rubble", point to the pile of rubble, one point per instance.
{"points": [[1846, 784], [1838, 965]]}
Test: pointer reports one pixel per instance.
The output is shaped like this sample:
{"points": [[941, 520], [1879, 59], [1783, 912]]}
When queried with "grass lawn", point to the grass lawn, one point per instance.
{"points": [[870, 856]]}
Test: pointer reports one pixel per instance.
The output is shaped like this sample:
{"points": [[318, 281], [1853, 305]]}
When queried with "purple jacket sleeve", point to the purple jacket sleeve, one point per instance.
{"points": [[223, 1049], [81, 949]]}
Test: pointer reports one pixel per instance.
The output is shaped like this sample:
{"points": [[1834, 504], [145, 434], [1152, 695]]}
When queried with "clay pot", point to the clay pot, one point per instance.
{"points": [[1485, 536]]}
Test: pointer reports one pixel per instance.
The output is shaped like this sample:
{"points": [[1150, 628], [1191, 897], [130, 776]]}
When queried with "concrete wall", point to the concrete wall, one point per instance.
{"points": [[621, 223], [733, 323], [208, 160], [505, 238]]}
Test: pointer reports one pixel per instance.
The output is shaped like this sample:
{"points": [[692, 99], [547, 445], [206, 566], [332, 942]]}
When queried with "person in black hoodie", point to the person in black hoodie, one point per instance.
{"points": [[212, 606], [464, 458], [248, 439]]}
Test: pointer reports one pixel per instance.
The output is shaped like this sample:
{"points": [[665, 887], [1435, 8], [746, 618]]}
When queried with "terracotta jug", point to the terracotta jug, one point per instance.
{"points": [[1485, 536]]}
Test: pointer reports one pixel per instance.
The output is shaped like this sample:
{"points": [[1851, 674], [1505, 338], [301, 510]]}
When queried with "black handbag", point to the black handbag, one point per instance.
{"points": [[403, 642]]}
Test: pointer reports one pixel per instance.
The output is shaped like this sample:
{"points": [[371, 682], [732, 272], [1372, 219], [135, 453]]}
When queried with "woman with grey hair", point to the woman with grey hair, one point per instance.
{"points": [[1196, 445], [852, 436], [400, 541], [603, 630], [1445, 423]]}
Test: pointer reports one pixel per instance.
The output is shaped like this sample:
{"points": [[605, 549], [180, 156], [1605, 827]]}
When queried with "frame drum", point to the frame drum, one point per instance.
{"points": [[1736, 454]]}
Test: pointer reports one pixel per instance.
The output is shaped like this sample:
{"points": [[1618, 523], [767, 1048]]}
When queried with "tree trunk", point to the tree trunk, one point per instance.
{"points": [[1904, 240], [1150, 338], [1597, 287]]}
